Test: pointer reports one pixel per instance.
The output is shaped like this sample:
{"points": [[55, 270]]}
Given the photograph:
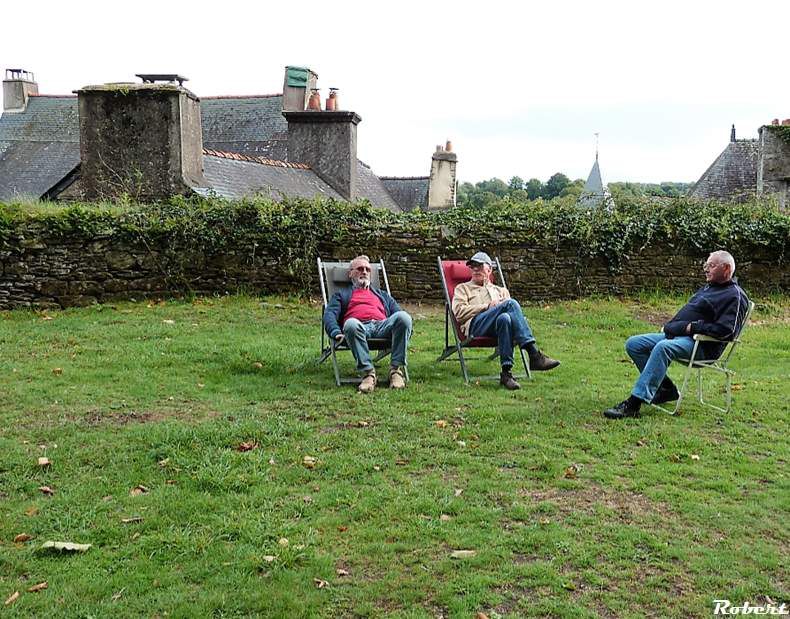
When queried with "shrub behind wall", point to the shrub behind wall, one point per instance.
{"points": [[62, 255]]}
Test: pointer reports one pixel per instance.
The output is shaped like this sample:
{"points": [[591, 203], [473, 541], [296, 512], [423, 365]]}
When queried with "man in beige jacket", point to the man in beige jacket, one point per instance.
{"points": [[486, 310]]}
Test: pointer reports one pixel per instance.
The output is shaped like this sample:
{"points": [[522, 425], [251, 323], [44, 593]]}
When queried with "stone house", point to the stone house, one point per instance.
{"points": [[154, 139], [747, 168]]}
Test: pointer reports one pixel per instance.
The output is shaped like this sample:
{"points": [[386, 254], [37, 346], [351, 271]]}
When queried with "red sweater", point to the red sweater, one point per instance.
{"points": [[364, 305]]}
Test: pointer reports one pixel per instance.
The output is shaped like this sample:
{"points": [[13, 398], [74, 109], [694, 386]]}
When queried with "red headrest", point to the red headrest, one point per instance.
{"points": [[456, 272]]}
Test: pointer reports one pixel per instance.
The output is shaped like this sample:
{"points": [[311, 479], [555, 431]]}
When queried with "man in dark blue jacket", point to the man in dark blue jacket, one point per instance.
{"points": [[718, 309], [361, 312]]}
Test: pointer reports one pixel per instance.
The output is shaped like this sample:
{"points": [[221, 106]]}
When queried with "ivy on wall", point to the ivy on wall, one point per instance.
{"points": [[293, 230]]}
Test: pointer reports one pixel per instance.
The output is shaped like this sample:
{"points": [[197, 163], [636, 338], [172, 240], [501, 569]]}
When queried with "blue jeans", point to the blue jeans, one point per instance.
{"points": [[397, 327], [652, 353], [505, 322]]}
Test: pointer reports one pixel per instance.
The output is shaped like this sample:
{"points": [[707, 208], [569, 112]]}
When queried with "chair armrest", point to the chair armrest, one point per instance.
{"points": [[707, 338]]}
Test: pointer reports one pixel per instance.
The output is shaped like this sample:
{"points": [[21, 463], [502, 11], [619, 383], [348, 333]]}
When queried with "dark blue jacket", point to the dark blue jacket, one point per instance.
{"points": [[717, 310], [338, 305]]}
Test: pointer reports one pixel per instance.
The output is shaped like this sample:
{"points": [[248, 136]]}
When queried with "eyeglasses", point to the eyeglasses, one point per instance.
{"points": [[365, 269], [709, 266]]}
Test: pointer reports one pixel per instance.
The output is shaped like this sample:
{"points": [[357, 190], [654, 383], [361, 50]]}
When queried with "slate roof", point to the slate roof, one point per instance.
{"points": [[370, 187], [410, 192], [732, 176], [251, 125], [40, 146], [594, 192], [234, 176]]}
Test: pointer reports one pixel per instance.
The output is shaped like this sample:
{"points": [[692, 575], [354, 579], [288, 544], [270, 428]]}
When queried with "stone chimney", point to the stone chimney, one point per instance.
{"points": [[139, 140], [18, 85], [442, 184], [773, 166], [732, 134], [297, 86], [327, 142]]}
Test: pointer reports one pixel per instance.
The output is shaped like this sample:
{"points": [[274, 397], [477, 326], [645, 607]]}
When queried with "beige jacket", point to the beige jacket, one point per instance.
{"points": [[470, 299]]}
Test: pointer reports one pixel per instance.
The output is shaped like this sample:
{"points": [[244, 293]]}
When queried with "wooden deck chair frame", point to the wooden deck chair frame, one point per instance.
{"points": [[329, 348], [460, 342], [720, 365]]}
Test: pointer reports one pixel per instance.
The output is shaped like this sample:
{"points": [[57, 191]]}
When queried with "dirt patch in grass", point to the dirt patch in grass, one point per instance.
{"points": [[652, 316], [95, 418], [627, 505]]}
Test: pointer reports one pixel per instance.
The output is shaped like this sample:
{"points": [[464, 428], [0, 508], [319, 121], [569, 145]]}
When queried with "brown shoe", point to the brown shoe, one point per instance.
{"points": [[368, 383], [541, 363], [397, 380], [507, 381]]}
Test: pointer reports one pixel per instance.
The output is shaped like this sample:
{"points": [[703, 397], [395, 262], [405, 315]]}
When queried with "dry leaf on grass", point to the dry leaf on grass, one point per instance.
{"points": [[69, 546], [269, 558], [164, 463], [401, 461], [341, 572], [13, 598], [117, 596], [309, 462], [320, 584], [39, 587], [22, 537], [258, 365], [132, 519], [283, 541], [46, 490], [247, 446], [167, 321], [463, 554], [444, 518], [459, 491], [57, 371], [441, 423], [571, 471], [481, 615], [47, 318], [44, 462], [138, 490], [342, 528], [31, 511], [694, 457]]}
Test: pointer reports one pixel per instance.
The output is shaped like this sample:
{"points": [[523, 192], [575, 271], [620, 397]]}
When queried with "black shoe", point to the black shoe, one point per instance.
{"points": [[625, 409], [667, 392], [541, 363], [507, 381]]}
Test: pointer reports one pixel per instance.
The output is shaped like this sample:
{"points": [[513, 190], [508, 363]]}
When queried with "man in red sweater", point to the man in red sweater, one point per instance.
{"points": [[360, 312]]}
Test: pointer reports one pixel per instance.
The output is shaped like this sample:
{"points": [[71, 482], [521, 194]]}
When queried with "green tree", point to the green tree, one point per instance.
{"points": [[534, 188], [555, 185], [516, 183]]}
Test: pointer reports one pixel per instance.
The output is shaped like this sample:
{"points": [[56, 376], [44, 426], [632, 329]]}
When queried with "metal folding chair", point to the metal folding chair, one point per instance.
{"points": [[454, 272], [333, 275], [721, 365]]}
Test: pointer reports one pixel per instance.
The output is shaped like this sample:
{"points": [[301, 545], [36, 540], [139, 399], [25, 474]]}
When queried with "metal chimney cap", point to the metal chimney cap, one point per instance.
{"points": [[150, 78]]}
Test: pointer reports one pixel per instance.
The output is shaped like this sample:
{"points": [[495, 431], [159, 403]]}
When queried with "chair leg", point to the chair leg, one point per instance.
{"points": [[729, 392], [325, 353], [699, 386], [681, 393], [463, 363], [525, 361], [493, 355], [335, 366], [449, 350]]}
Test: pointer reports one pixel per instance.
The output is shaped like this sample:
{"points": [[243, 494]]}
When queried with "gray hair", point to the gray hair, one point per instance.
{"points": [[725, 257]]}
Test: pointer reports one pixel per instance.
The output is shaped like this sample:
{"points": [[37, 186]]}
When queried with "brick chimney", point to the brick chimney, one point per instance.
{"points": [[297, 86], [139, 140], [773, 166], [442, 184], [327, 142], [18, 85]]}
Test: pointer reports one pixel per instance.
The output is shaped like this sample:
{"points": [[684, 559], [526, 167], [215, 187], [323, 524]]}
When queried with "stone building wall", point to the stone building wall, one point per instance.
{"points": [[40, 270]]}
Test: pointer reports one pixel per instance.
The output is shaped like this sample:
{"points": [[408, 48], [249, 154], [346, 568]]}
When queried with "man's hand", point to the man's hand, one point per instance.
{"points": [[688, 328], [494, 303], [339, 338]]}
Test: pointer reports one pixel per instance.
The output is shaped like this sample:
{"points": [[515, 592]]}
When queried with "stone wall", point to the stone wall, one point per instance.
{"points": [[42, 270]]}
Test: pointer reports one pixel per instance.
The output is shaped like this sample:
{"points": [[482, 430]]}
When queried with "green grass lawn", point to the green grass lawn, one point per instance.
{"points": [[568, 514]]}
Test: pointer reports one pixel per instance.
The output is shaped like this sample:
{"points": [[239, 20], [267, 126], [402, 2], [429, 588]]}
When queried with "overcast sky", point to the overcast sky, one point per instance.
{"points": [[519, 88]]}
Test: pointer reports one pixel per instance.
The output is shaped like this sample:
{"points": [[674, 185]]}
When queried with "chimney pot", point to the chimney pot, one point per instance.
{"points": [[18, 86], [786, 122], [448, 146]]}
